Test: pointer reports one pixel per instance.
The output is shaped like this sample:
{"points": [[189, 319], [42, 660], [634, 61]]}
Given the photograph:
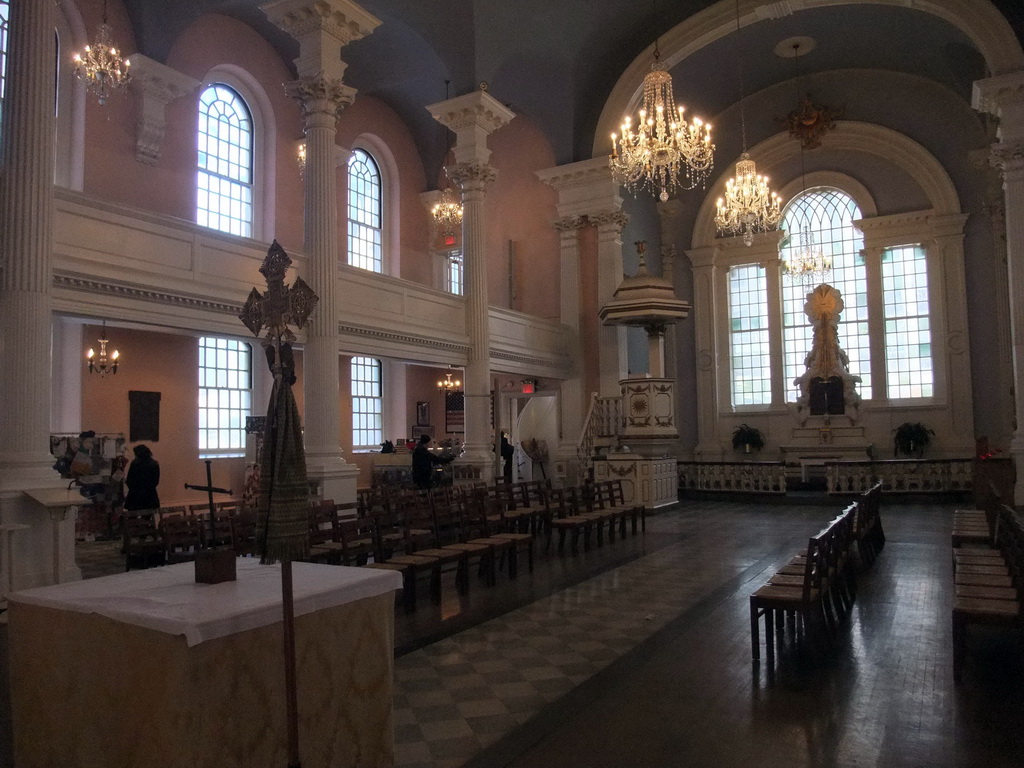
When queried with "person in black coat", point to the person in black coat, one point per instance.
{"points": [[423, 462], [143, 478]]}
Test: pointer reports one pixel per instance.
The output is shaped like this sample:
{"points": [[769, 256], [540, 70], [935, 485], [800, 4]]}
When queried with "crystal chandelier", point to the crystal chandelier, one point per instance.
{"points": [[448, 384], [447, 212], [101, 66], [300, 158], [663, 152], [102, 363], [748, 205], [805, 263]]}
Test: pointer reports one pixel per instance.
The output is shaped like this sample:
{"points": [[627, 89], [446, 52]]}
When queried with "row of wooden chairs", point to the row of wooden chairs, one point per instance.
{"points": [[815, 590], [175, 534], [988, 574], [423, 534]]}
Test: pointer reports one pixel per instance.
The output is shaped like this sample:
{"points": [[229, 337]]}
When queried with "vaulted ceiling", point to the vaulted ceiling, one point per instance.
{"points": [[557, 62]]}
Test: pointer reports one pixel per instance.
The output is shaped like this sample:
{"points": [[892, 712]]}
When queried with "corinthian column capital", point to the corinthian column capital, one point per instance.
{"points": [[1009, 159], [471, 176], [570, 223], [320, 95], [616, 220]]}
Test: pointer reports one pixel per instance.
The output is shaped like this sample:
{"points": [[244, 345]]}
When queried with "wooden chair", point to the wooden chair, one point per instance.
{"points": [[452, 532], [325, 544], [243, 532], [518, 542], [182, 538], [804, 601], [143, 547], [615, 498], [988, 593], [566, 519]]}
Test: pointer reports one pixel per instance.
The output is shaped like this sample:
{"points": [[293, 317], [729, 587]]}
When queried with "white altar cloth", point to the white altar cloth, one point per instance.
{"points": [[169, 600]]}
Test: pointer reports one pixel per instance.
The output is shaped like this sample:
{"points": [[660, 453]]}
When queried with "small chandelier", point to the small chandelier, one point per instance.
{"points": [[101, 66], [749, 205], [300, 158], [448, 384], [806, 264], [102, 363], [664, 152], [447, 212]]}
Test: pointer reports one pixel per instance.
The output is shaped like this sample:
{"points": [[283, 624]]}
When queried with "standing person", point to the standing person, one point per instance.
{"points": [[507, 453], [143, 478], [423, 462]]}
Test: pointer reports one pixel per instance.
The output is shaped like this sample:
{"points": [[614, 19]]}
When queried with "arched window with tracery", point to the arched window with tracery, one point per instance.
{"points": [[224, 199], [365, 239], [828, 215]]}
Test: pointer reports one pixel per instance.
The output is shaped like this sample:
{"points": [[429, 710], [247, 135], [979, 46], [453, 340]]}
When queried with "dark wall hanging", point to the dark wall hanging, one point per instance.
{"points": [[144, 416]]}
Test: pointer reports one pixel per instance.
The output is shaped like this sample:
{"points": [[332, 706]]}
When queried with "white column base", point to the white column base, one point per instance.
{"points": [[331, 477], [567, 469], [30, 551], [481, 456]]}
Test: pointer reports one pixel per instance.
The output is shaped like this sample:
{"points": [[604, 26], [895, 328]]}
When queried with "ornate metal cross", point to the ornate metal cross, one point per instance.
{"points": [[281, 305]]}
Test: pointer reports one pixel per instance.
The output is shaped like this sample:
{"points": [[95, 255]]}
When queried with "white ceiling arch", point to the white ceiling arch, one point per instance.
{"points": [[979, 20]]}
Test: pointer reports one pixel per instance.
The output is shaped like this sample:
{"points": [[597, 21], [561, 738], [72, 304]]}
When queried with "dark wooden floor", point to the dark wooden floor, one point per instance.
{"points": [[689, 695]]}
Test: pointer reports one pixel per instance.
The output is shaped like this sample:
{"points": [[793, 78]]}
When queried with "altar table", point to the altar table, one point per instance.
{"points": [[149, 668]]}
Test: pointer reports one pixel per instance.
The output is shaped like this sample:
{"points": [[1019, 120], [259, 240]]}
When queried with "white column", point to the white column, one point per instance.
{"points": [[26, 223], [572, 400], [473, 117], [1003, 96], [872, 256], [322, 28], [472, 179], [612, 353], [704, 271]]}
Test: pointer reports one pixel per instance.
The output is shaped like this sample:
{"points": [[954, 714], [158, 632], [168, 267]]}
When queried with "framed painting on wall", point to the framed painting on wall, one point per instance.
{"points": [[422, 414], [422, 429]]}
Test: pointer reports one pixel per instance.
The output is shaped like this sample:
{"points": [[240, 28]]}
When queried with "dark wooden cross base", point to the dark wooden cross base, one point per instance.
{"points": [[214, 564]]}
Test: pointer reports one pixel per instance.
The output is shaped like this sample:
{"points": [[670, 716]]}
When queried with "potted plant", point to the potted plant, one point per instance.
{"points": [[910, 439], [748, 438]]}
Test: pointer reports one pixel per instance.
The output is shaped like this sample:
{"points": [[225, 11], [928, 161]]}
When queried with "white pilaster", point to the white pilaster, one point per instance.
{"points": [[612, 352], [322, 27], [1003, 96], [26, 224], [473, 117], [705, 329]]}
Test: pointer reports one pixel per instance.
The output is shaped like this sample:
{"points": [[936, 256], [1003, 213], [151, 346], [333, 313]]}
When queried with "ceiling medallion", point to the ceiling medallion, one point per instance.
{"points": [[810, 121]]}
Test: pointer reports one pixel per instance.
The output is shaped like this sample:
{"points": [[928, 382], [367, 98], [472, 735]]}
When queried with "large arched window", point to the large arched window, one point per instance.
{"points": [[224, 199], [828, 215], [365, 248]]}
